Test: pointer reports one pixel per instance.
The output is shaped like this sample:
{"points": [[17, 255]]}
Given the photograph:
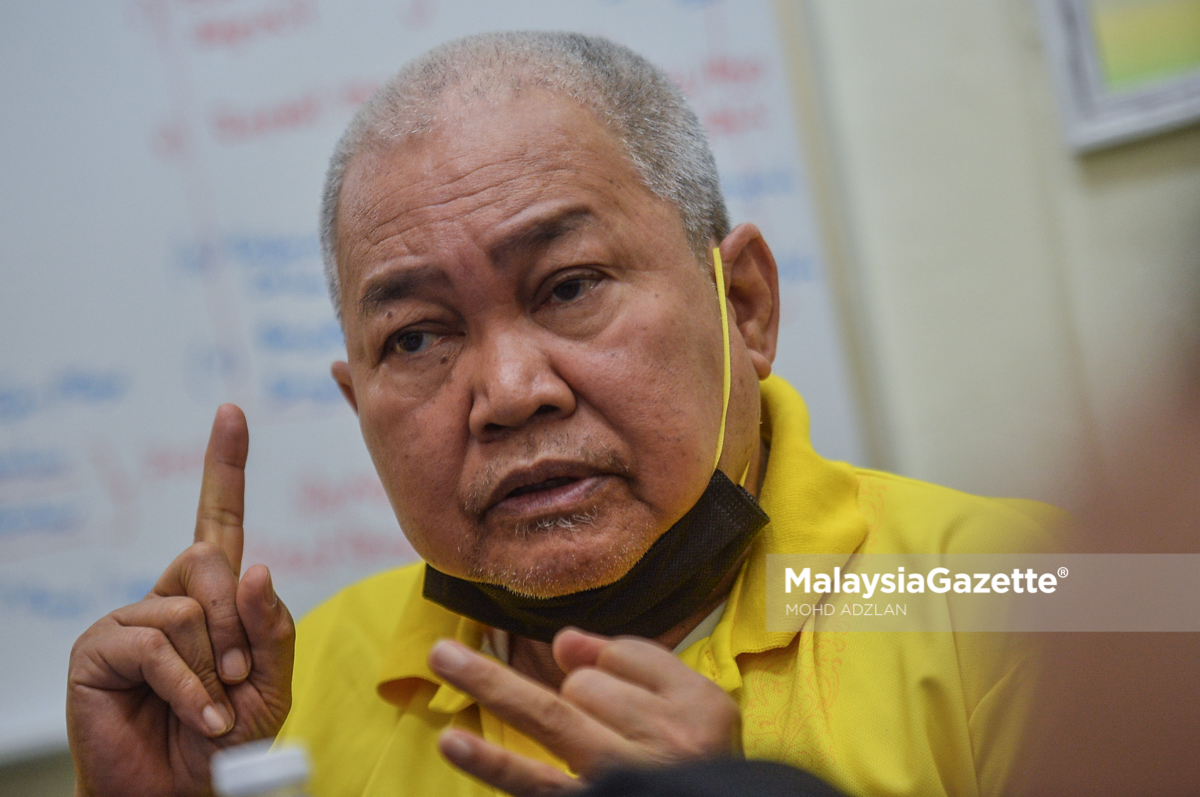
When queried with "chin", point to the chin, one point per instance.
{"points": [[560, 555]]}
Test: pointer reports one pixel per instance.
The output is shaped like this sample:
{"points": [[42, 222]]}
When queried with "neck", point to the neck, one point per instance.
{"points": [[535, 659]]}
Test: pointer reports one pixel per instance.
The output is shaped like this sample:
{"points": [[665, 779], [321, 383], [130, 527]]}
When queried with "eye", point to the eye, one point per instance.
{"points": [[572, 289], [412, 342]]}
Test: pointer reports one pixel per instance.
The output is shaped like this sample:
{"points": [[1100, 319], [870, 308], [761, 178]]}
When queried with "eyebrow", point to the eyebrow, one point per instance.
{"points": [[397, 286], [542, 232]]}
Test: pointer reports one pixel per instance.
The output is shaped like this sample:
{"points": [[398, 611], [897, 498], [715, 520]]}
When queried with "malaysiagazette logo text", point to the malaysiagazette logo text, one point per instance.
{"points": [[939, 580]]}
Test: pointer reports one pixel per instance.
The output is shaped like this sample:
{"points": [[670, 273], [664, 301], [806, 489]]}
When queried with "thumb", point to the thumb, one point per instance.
{"points": [[272, 636]]}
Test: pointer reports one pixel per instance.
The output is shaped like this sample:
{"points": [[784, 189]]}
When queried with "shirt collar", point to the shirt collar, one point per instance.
{"points": [[406, 661], [813, 508], [812, 503]]}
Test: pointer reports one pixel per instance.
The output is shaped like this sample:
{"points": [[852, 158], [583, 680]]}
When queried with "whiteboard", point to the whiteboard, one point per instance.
{"points": [[161, 166]]}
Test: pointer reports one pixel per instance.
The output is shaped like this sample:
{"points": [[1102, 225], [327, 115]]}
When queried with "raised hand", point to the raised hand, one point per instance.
{"points": [[625, 702], [202, 662]]}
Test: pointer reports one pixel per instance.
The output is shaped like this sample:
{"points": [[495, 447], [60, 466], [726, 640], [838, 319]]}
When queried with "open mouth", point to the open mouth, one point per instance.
{"points": [[545, 488], [548, 484]]}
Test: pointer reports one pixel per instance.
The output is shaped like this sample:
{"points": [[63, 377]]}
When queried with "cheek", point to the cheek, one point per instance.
{"points": [[417, 448], [651, 382]]}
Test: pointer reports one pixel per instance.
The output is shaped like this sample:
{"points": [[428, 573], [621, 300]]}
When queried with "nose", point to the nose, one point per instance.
{"points": [[515, 384]]}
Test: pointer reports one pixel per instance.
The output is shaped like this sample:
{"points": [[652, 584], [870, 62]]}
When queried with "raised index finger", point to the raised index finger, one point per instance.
{"points": [[223, 489]]}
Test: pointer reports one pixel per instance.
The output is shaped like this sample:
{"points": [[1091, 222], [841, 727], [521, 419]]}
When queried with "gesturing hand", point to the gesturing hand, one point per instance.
{"points": [[203, 661], [625, 702]]}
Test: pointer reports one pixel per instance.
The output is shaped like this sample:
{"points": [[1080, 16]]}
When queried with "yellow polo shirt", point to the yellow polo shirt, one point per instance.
{"points": [[872, 713]]}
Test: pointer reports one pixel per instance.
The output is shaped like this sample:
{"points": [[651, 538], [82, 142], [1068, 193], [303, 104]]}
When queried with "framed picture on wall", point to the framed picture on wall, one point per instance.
{"points": [[1123, 69]]}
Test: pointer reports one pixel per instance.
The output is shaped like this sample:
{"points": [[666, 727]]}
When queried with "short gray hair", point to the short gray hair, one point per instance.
{"points": [[633, 98]]}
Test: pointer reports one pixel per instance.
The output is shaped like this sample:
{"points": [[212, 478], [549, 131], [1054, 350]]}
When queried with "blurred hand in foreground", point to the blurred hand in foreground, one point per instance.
{"points": [[625, 702]]}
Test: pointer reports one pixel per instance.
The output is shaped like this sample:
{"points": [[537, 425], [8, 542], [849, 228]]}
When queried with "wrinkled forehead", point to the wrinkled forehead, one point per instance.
{"points": [[485, 163]]}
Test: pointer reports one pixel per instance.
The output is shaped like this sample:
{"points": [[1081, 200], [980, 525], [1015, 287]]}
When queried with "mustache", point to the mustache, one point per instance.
{"points": [[585, 451]]}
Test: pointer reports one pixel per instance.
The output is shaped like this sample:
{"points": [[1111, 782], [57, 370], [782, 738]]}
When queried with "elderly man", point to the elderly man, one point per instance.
{"points": [[560, 356]]}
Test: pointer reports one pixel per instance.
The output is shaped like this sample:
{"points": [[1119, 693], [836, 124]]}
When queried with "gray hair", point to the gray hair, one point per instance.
{"points": [[634, 99]]}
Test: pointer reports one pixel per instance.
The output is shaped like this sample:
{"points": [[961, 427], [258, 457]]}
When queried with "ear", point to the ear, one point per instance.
{"points": [[341, 375], [752, 288]]}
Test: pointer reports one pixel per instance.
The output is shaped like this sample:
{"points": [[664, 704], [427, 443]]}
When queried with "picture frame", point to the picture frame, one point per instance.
{"points": [[1115, 85]]}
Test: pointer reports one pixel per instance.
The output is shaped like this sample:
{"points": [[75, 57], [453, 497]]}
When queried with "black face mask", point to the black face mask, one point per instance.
{"points": [[671, 581]]}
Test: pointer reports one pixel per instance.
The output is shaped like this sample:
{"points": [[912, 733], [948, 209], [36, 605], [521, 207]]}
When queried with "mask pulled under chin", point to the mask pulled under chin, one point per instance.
{"points": [[671, 581]]}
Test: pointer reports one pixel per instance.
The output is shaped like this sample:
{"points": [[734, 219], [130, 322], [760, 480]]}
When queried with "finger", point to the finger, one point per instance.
{"points": [[223, 488], [643, 662], [145, 655], [575, 648], [272, 635], [535, 710], [634, 712], [181, 619], [692, 719], [203, 573], [504, 769]]}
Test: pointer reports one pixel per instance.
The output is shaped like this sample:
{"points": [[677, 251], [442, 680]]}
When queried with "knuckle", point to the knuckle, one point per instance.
{"points": [[220, 515], [579, 683], [214, 595], [223, 620], [206, 559], [284, 631], [80, 648], [81, 657], [286, 637], [151, 641], [558, 718], [698, 741], [682, 743], [88, 640], [184, 684], [183, 614], [200, 561], [87, 649], [206, 681], [202, 552]]}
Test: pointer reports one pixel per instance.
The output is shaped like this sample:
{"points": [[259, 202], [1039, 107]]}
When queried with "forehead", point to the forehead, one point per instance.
{"points": [[479, 171]]}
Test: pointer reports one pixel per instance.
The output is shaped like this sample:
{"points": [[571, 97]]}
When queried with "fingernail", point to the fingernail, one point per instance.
{"points": [[234, 666], [217, 720], [447, 656], [272, 598], [455, 747]]}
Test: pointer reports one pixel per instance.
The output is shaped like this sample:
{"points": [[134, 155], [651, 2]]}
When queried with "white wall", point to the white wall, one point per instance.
{"points": [[1011, 294]]}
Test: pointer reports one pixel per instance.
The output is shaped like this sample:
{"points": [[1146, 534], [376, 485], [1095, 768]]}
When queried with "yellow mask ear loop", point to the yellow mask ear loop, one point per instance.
{"points": [[725, 363], [719, 272]]}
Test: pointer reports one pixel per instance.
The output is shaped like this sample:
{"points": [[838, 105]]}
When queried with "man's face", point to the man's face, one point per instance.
{"points": [[534, 351]]}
